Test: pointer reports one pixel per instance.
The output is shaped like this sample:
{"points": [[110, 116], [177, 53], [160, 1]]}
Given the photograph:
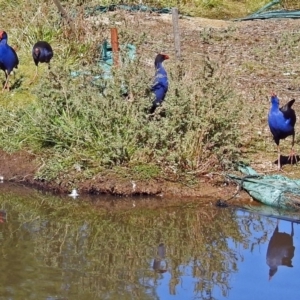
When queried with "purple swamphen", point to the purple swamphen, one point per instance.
{"points": [[280, 250], [159, 263], [8, 57], [160, 84], [41, 53], [282, 123]]}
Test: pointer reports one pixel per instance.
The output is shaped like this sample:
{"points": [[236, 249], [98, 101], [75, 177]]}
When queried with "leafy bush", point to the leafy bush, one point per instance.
{"points": [[196, 124], [89, 124]]}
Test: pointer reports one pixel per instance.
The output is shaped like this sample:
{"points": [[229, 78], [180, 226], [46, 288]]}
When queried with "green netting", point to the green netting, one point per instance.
{"points": [[93, 10], [264, 13], [274, 190]]}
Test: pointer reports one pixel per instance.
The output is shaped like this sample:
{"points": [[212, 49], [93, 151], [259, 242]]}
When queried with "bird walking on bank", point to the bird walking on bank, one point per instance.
{"points": [[41, 53], [282, 124], [8, 58], [160, 85]]}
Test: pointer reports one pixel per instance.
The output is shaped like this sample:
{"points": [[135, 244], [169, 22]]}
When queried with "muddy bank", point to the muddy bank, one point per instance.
{"points": [[21, 167]]}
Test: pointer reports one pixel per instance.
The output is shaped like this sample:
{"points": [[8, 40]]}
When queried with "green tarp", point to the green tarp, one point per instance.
{"points": [[106, 61], [264, 13], [273, 190], [93, 10]]}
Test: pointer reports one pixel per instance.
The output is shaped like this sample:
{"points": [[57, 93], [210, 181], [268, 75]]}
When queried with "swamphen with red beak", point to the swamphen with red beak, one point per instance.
{"points": [[161, 84], [8, 57], [282, 122], [41, 53]]}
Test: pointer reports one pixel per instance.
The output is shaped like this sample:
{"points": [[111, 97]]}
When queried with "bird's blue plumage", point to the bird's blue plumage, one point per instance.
{"points": [[8, 57], [161, 84], [281, 120]]}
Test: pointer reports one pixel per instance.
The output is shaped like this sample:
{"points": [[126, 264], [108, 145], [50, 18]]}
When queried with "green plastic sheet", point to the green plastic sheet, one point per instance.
{"points": [[93, 10], [264, 13], [273, 190]]}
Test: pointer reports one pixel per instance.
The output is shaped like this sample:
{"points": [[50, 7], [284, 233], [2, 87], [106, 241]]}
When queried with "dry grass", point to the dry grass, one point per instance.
{"points": [[290, 4]]}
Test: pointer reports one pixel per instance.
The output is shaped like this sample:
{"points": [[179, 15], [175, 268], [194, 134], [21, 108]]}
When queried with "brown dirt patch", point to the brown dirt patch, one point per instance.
{"points": [[21, 167]]}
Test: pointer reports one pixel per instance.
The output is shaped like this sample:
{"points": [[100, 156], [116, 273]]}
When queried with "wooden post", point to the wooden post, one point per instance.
{"points": [[176, 32], [115, 45]]}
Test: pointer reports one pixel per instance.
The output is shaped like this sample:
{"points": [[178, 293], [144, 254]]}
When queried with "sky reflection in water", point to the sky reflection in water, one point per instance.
{"points": [[53, 248], [252, 280]]}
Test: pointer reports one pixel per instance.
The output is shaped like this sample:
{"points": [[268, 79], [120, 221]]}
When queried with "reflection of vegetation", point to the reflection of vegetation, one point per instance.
{"points": [[108, 254]]}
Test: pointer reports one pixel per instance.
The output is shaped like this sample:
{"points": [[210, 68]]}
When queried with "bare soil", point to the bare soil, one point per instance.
{"points": [[262, 55], [22, 166]]}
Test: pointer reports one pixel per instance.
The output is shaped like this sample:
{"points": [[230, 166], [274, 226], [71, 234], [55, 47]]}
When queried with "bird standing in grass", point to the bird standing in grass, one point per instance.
{"points": [[282, 124], [161, 84], [8, 58], [41, 53]]}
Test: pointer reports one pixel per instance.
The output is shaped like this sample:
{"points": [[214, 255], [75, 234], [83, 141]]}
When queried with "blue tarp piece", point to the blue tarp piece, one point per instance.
{"points": [[273, 190], [264, 14], [127, 54], [106, 62]]}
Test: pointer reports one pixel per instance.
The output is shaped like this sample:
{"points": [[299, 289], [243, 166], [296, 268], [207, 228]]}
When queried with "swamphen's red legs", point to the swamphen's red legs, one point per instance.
{"points": [[6, 86]]}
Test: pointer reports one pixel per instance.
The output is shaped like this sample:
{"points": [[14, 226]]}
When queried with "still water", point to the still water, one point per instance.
{"points": [[109, 248]]}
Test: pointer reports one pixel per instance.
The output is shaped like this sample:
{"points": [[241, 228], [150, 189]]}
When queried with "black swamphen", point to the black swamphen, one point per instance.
{"points": [[282, 124], [8, 57], [161, 84], [41, 53]]}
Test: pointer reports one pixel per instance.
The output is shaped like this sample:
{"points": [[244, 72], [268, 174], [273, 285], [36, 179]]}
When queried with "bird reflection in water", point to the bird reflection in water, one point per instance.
{"points": [[280, 250], [159, 263]]}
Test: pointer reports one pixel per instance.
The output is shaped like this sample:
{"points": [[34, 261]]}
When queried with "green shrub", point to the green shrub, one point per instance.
{"points": [[197, 123], [88, 123]]}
